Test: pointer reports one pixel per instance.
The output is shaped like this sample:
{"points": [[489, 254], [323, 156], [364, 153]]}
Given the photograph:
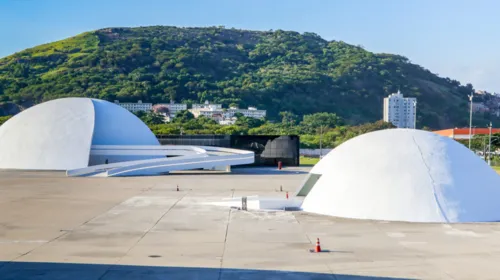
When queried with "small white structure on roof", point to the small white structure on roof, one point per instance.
{"points": [[88, 136], [403, 175]]}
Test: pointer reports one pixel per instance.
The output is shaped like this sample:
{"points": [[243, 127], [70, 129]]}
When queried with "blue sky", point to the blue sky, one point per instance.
{"points": [[454, 38]]}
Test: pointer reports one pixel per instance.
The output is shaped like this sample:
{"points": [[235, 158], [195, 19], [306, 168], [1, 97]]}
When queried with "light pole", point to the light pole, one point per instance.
{"points": [[484, 148], [470, 119], [489, 146], [320, 141]]}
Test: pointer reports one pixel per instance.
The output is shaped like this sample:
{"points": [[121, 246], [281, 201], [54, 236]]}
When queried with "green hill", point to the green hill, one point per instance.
{"points": [[275, 70]]}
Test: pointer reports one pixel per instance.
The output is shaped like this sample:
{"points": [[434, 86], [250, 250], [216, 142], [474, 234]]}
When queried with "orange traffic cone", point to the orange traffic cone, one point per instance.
{"points": [[317, 249]]}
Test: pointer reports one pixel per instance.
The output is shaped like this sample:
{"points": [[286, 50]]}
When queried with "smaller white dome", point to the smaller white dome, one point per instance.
{"points": [[404, 175]]}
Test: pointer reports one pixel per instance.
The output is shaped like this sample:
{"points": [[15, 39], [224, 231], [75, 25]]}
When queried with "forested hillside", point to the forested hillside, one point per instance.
{"points": [[275, 70]]}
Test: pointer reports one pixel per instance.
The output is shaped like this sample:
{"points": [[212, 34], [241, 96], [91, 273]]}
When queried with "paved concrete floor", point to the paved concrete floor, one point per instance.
{"points": [[53, 227]]}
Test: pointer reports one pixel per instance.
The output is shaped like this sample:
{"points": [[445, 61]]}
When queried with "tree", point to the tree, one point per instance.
{"points": [[152, 118], [204, 121], [323, 119], [288, 119], [495, 141], [183, 116], [171, 93], [247, 121], [140, 114], [168, 129], [231, 130]]}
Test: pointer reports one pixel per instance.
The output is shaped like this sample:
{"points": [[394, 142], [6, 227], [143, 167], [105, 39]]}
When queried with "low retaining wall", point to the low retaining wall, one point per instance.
{"points": [[314, 152]]}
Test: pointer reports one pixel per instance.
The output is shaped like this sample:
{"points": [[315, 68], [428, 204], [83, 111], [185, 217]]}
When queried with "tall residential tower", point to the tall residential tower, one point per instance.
{"points": [[400, 111]]}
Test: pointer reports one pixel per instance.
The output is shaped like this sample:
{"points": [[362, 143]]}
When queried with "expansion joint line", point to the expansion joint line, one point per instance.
{"points": [[142, 236], [225, 239], [432, 181], [64, 233], [156, 223]]}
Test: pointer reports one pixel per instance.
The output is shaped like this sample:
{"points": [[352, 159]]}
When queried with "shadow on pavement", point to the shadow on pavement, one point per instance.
{"points": [[234, 171], [73, 271], [266, 171]]}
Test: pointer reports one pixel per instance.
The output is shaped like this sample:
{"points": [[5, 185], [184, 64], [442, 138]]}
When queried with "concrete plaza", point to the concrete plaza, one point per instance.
{"points": [[54, 227]]}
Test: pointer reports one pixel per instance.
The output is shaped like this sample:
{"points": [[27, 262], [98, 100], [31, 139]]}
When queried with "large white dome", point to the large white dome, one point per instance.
{"points": [[404, 175], [58, 134]]}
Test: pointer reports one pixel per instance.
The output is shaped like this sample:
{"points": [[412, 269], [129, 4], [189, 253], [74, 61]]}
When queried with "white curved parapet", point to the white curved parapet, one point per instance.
{"points": [[255, 202], [180, 158]]}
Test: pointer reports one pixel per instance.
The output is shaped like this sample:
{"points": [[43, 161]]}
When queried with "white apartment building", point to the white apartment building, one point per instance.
{"points": [[134, 107], [206, 105], [251, 112], [400, 111], [223, 116], [213, 111], [226, 117], [207, 112]]}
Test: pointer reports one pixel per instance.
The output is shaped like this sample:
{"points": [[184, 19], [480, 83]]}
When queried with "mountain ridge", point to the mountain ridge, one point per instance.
{"points": [[274, 70]]}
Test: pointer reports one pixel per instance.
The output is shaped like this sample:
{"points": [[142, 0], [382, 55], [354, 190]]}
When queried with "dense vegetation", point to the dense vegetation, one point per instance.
{"points": [[325, 126], [281, 71], [4, 119]]}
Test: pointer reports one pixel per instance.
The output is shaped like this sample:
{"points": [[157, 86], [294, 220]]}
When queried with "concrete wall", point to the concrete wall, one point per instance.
{"points": [[314, 152]]}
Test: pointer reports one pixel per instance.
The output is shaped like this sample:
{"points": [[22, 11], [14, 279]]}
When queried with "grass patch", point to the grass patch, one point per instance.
{"points": [[496, 168], [52, 73], [308, 161], [85, 42]]}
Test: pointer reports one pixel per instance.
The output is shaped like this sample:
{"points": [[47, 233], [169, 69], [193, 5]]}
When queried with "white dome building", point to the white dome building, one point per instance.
{"points": [[59, 134], [403, 175]]}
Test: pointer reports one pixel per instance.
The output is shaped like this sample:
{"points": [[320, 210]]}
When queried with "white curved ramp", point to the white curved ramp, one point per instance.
{"points": [[181, 158]]}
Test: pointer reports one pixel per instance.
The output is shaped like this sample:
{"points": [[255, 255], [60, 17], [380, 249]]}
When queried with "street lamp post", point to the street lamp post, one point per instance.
{"points": [[489, 146], [320, 141], [470, 119], [484, 149]]}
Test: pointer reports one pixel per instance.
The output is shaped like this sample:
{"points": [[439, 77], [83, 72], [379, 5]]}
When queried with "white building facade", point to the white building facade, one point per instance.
{"points": [[213, 111], [400, 111], [225, 116], [251, 112], [173, 108], [206, 112], [206, 105], [135, 107]]}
